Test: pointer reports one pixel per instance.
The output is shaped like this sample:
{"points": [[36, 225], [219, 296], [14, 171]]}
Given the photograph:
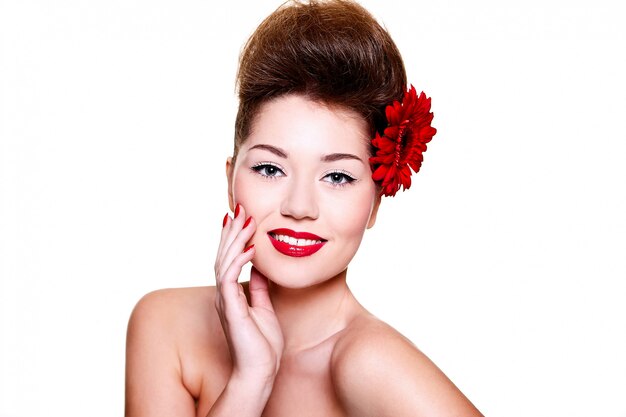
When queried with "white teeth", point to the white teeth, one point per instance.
{"points": [[295, 242]]}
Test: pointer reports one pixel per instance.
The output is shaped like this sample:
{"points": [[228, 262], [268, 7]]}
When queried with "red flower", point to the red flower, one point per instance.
{"points": [[403, 142]]}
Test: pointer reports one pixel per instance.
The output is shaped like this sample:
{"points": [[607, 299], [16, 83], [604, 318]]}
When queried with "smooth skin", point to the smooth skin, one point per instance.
{"points": [[293, 341]]}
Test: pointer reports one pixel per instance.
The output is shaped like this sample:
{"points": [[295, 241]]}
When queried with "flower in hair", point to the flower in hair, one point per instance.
{"points": [[403, 142]]}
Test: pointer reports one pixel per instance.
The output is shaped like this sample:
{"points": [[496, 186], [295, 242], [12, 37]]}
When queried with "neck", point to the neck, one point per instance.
{"points": [[308, 316]]}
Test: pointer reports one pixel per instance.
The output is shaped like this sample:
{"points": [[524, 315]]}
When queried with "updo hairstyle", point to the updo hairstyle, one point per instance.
{"points": [[332, 52]]}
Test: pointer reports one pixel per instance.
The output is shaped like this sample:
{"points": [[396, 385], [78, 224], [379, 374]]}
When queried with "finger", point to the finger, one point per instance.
{"points": [[259, 290], [232, 299], [229, 228], [238, 245], [230, 231], [225, 222], [231, 274]]}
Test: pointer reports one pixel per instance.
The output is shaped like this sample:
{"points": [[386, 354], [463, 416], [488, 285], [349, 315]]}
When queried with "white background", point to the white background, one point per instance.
{"points": [[505, 262]]}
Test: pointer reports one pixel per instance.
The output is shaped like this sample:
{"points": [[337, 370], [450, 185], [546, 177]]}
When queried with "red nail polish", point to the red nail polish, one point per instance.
{"points": [[237, 210], [225, 220], [247, 222], [248, 248]]}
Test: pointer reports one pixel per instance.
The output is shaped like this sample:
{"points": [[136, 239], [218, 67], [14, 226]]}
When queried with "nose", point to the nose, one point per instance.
{"points": [[300, 201]]}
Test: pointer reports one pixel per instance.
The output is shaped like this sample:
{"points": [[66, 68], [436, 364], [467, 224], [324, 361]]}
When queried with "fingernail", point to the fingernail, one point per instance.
{"points": [[248, 248], [225, 220], [237, 210], [247, 222]]}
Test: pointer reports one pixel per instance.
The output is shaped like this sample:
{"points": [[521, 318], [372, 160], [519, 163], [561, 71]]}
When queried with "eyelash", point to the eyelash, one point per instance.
{"points": [[262, 167], [349, 179]]}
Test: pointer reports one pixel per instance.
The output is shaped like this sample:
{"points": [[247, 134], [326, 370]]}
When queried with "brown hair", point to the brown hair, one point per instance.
{"points": [[331, 51]]}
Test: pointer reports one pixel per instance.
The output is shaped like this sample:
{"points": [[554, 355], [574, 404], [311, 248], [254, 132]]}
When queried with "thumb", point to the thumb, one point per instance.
{"points": [[259, 290]]}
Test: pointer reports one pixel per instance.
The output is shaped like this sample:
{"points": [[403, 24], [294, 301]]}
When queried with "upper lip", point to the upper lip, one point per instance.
{"points": [[296, 235]]}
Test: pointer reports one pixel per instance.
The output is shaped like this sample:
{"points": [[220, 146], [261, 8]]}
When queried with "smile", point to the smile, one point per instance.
{"points": [[296, 244]]}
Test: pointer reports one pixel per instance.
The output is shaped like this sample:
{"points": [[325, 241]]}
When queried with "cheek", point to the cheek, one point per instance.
{"points": [[241, 190], [254, 198], [351, 216]]}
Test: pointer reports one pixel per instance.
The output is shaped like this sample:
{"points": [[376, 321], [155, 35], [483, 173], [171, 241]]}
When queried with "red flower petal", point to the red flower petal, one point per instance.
{"points": [[404, 140]]}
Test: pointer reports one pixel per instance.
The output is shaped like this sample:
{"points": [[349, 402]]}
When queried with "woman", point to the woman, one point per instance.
{"points": [[314, 84]]}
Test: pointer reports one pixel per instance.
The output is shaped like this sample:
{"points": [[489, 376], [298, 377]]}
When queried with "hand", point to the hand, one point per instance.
{"points": [[252, 331]]}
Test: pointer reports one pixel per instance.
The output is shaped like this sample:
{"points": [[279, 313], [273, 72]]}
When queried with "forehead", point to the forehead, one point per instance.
{"points": [[298, 124]]}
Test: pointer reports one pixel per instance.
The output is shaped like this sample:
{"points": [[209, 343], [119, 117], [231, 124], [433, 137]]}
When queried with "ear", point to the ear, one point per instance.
{"points": [[372, 220], [229, 177]]}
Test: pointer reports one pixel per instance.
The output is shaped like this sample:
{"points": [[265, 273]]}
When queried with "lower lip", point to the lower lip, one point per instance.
{"points": [[295, 251]]}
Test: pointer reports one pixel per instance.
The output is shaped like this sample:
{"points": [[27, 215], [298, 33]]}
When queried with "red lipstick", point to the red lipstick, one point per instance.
{"points": [[284, 241]]}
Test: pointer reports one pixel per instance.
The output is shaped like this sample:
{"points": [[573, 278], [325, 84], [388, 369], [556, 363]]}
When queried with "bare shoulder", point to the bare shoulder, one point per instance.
{"points": [[168, 314], [168, 332], [183, 320], [169, 306], [379, 372]]}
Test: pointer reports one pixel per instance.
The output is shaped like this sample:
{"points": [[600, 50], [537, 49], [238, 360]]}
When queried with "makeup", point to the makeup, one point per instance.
{"points": [[295, 244]]}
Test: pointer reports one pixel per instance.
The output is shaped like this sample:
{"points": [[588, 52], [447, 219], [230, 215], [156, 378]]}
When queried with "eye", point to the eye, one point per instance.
{"points": [[338, 178], [268, 169]]}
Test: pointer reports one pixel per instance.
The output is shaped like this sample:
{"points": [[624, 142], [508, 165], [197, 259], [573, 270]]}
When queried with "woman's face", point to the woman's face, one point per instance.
{"points": [[303, 174]]}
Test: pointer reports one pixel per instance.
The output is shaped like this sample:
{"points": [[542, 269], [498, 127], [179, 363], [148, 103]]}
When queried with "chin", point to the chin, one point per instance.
{"points": [[294, 274]]}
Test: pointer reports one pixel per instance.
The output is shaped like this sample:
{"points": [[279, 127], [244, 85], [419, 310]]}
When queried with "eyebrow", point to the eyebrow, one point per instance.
{"points": [[339, 156], [273, 149], [326, 158]]}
